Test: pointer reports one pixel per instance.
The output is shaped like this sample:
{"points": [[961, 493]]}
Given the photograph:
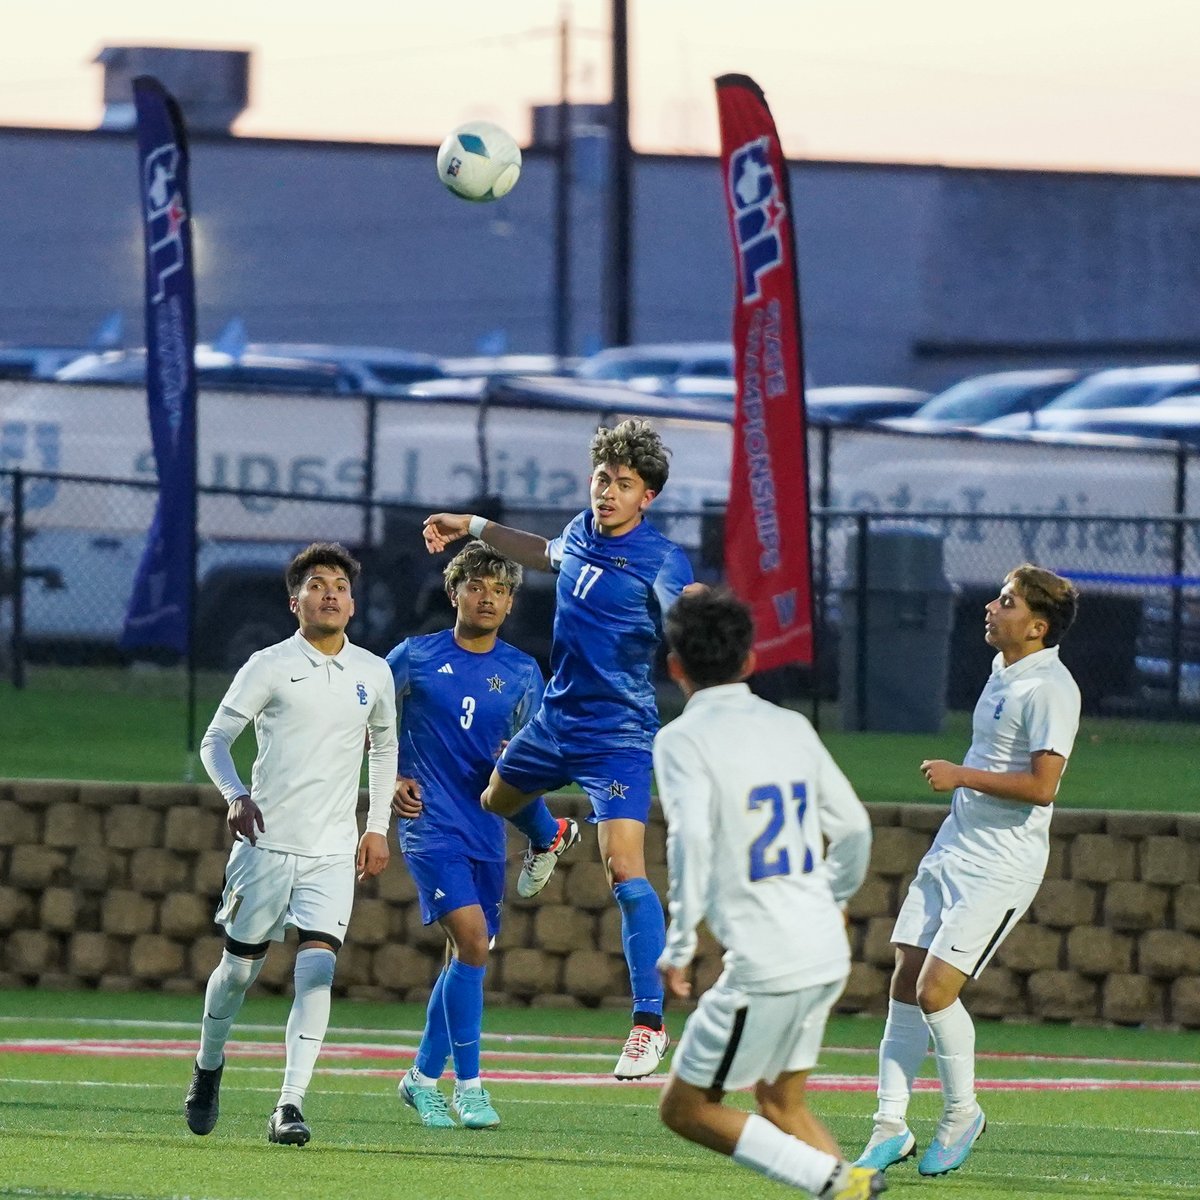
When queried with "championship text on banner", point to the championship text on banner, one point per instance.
{"points": [[160, 606], [767, 559]]}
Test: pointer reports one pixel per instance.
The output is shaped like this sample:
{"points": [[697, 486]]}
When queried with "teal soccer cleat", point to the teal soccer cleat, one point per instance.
{"points": [[474, 1108], [886, 1149], [949, 1154], [429, 1103]]}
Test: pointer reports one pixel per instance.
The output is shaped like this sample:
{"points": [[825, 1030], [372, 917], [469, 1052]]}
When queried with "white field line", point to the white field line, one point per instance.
{"points": [[334, 1031], [372, 1053], [389, 1093], [389, 1038]]}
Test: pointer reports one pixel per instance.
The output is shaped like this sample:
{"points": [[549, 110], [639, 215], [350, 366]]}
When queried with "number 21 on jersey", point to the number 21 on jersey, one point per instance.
{"points": [[766, 860]]}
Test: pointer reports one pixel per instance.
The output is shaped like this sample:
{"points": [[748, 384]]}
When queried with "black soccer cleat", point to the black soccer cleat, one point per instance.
{"points": [[287, 1128], [202, 1104]]}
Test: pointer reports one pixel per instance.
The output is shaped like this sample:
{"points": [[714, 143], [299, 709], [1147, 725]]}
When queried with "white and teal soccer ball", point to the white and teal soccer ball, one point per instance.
{"points": [[479, 161]]}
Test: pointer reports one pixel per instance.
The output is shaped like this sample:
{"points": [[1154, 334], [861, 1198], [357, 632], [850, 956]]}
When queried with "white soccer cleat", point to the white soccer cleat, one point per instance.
{"points": [[539, 864], [643, 1052]]}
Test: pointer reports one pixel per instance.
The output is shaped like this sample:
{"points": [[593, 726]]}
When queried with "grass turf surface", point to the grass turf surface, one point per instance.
{"points": [[109, 1124], [131, 727]]}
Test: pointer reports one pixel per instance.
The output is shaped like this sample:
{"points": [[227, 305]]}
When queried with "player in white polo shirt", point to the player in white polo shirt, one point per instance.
{"points": [[296, 846], [983, 869], [751, 796]]}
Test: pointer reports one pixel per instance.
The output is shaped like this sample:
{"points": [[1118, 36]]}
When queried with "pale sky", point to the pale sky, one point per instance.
{"points": [[1079, 84]]}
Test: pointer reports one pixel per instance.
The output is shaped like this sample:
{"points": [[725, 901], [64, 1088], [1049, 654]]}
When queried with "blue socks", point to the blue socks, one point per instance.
{"points": [[453, 1022], [462, 998], [435, 1041], [643, 936], [537, 823]]}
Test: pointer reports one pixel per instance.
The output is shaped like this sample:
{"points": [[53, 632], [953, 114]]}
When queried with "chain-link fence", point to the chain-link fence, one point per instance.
{"points": [[898, 594]]}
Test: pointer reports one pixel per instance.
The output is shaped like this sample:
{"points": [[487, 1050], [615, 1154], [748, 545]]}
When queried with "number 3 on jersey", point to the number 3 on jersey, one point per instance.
{"points": [[468, 712], [587, 580], [765, 860]]}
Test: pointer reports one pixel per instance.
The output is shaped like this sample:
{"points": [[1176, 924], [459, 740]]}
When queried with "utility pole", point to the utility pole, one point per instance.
{"points": [[617, 291], [562, 200]]}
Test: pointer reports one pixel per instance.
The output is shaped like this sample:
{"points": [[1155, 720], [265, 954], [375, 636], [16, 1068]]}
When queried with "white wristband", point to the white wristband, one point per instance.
{"points": [[476, 526]]}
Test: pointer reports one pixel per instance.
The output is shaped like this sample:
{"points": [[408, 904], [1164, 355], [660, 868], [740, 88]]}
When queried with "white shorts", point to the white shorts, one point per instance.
{"points": [[735, 1039], [959, 913], [268, 890]]}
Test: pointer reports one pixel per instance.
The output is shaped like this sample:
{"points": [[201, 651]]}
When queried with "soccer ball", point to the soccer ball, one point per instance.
{"points": [[479, 161]]}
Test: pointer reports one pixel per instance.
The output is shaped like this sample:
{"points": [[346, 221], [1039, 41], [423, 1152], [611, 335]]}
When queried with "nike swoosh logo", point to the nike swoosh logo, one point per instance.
{"points": [[297, 678], [305, 1038], [957, 950], [342, 924]]}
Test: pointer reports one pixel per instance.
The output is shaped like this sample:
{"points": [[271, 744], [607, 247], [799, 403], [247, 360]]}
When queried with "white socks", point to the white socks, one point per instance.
{"points": [[954, 1045], [227, 987], [307, 1022], [901, 1052], [765, 1148]]}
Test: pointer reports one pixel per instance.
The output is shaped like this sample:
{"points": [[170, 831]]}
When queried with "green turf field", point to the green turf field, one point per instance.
{"points": [[91, 1087], [116, 725]]}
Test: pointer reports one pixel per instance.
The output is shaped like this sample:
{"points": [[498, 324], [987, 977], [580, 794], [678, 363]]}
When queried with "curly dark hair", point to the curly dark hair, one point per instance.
{"points": [[321, 554], [635, 444], [479, 561], [711, 632]]}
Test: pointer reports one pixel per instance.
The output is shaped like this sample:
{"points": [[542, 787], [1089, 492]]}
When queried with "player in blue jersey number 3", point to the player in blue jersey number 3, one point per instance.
{"points": [[465, 693], [617, 578]]}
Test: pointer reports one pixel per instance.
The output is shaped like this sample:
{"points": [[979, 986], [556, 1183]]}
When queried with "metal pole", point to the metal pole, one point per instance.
{"points": [[617, 299], [18, 580], [562, 201], [189, 765], [863, 600], [369, 454], [1178, 561]]}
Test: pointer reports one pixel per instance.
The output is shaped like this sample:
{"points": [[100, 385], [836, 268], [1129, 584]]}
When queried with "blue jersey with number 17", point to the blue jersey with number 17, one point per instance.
{"points": [[458, 707], [612, 595]]}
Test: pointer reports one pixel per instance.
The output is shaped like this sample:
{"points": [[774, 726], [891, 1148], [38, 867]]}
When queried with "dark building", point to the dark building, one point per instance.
{"points": [[909, 275]]}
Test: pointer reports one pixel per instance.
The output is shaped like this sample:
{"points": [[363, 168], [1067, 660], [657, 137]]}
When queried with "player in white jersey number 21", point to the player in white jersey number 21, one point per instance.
{"points": [[751, 796]]}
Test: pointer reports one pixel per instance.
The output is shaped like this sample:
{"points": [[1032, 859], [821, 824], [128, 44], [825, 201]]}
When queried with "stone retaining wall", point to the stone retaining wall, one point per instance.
{"points": [[113, 886]]}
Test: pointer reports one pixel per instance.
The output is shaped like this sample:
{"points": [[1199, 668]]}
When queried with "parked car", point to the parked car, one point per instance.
{"points": [[1167, 652], [1174, 420], [36, 362], [971, 402], [382, 364], [846, 404], [1117, 387], [861, 404], [657, 368], [247, 372], [498, 366]]}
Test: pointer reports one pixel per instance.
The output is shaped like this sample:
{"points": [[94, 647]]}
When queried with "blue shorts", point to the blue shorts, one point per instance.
{"points": [[448, 880], [617, 781]]}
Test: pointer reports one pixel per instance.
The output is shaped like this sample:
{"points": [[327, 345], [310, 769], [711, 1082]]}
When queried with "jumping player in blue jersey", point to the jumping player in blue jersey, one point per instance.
{"points": [[464, 694], [617, 577]]}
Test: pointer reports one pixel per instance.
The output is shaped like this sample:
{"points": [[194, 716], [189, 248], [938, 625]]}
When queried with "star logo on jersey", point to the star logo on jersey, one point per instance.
{"points": [[495, 684], [616, 791], [621, 561]]}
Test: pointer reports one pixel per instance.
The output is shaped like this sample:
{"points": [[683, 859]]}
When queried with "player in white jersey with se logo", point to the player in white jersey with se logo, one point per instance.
{"points": [[296, 847], [983, 869], [751, 796]]}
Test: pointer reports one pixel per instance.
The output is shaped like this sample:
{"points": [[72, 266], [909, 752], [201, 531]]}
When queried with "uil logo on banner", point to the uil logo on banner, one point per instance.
{"points": [[165, 215], [758, 212]]}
